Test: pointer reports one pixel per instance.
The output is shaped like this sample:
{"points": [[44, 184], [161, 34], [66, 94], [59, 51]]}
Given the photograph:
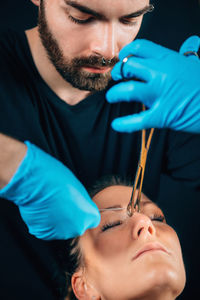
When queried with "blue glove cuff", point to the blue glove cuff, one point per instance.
{"points": [[10, 191]]}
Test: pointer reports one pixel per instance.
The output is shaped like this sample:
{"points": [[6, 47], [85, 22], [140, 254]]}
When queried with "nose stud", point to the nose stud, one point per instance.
{"points": [[104, 61]]}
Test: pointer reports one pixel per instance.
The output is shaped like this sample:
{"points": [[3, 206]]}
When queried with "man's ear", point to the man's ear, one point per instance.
{"points": [[81, 289], [36, 2]]}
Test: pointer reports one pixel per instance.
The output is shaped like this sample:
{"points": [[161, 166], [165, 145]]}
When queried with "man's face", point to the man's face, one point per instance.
{"points": [[83, 37]]}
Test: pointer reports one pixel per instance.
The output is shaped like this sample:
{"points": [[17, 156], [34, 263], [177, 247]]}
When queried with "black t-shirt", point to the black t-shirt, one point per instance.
{"points": [[81, 137]]}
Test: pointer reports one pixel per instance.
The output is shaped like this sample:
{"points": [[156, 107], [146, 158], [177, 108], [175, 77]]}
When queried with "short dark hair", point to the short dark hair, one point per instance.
{"points": [[68, 252]]}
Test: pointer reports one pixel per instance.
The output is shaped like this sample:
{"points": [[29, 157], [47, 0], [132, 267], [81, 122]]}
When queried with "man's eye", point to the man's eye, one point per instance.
{"points": [[80, 21], [129, 22], [110, 225]]}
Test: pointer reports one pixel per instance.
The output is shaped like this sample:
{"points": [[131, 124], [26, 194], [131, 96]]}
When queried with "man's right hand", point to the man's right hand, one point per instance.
{"points": [[52, 201]]}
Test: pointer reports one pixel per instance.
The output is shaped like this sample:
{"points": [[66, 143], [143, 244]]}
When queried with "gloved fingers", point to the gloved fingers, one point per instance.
{"points": [[134, 68], [130, 91], [191, 44], [144, 49], [116, 72], [136, 122]]}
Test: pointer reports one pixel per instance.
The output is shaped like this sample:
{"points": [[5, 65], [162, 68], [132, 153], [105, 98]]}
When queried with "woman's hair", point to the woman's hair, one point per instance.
{"points": [[68, 253]]}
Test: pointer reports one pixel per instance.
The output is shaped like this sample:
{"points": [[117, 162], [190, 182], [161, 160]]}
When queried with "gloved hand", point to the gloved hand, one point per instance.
{"points": [[170, 87], [52, 201]]}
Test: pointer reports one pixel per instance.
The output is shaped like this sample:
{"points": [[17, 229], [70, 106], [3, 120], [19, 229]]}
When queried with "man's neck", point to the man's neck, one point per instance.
{"points": [[48, 72]]}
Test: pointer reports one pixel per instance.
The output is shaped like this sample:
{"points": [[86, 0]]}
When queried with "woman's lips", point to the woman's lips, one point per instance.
{"points": [[97, 70], [150, 248]]}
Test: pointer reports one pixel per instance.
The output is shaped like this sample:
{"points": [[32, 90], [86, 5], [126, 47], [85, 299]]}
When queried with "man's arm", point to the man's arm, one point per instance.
{"points": [[12, 153], [51, 200]]}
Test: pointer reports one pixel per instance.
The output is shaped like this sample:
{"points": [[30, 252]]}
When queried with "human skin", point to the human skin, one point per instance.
{"points": [[110, 270], [11, 154], [103, 37]]}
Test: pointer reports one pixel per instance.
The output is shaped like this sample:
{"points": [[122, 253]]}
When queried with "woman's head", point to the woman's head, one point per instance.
{"points": [[136, 257]]}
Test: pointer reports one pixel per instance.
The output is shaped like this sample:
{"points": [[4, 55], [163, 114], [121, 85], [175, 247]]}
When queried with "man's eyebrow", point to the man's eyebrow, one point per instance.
{"points": [[146, 9], [83, 9], [92, 12]]}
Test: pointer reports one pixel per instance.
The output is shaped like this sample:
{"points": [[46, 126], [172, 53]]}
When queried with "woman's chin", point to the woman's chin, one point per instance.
{"points": [[164, 279]]}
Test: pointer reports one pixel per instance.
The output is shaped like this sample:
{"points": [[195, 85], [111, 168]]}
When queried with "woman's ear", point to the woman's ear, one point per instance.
{"points": [[36, 2], [81, 289]]}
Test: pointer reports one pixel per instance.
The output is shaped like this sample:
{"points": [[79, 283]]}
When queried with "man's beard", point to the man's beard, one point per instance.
{"points": [[70, 70]]}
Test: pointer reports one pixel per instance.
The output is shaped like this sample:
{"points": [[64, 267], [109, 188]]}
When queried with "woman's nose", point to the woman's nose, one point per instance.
{"points": [[142, 226]]}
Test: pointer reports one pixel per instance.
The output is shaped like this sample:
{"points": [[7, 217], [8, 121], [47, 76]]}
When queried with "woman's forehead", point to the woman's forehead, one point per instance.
{"points": [[115, 195]]}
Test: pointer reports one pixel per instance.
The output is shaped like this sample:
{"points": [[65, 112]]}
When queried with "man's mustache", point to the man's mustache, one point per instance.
{"points": [[94, 61]]}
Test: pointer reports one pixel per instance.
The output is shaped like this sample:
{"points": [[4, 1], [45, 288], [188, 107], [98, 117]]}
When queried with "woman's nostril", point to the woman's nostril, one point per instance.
{"points": [[139, 231], [150, 230]]}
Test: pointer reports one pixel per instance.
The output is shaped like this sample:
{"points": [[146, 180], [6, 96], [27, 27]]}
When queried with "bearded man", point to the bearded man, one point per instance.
{"points": [[56, 136]]}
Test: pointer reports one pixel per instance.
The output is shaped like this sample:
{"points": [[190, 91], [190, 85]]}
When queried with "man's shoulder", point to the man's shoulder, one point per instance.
{"points": [[8, 40], [11, 44], [13, 60]]}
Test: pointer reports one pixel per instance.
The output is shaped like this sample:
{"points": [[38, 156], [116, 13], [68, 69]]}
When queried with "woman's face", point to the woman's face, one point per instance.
{"points": [[136, 257]]}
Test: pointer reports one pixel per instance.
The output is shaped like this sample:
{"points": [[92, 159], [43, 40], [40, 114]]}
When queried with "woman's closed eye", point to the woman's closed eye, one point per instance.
{"points": [[159, 218], [109, 225]]}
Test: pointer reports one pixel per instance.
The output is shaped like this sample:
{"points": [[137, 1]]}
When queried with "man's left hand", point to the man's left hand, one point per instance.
{"points": [[169, 86]]}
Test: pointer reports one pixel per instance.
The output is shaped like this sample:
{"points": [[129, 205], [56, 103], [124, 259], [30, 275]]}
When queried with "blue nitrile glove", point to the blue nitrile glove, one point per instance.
{"points": [[52, 201], [171, 87]]}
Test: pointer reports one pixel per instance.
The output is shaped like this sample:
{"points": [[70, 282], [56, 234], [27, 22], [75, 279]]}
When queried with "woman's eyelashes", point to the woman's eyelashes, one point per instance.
{"points": [[109, 225], [158, 217]]}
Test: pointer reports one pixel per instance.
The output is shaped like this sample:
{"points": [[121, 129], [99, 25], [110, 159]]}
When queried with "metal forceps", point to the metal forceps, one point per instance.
{"points": [[140, 172], [131, 208], [143, 157]]}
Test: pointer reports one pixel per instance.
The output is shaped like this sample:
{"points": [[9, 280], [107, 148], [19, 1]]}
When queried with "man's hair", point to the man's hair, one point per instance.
{"points": [[68, 254]]}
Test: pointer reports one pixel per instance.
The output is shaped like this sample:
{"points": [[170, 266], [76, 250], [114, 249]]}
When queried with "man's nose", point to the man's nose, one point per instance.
{"points": [[104, 41], [142, 226]]}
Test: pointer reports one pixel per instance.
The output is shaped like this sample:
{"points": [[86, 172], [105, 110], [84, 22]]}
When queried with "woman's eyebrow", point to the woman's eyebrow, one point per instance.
{"points": [[119, 207], [114, 208], [146, 202], [94, 13]]}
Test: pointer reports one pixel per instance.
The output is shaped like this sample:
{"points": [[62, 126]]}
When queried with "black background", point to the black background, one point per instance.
{"points": [[170, 24]]}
